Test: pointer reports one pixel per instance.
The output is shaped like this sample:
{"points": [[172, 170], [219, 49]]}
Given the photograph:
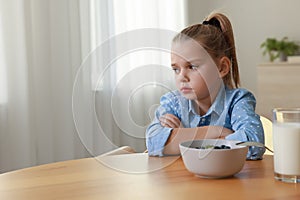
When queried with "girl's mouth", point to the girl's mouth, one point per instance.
{"points": [[186, 90]]}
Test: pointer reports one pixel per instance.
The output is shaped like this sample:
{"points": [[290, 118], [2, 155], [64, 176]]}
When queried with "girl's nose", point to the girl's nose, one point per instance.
{"points": [[183, 76]]}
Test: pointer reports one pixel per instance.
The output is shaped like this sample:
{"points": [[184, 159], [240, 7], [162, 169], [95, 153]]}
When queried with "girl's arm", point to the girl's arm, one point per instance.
{"points": [[157, 134], [246, 123], [179, 135], [166, 132]]}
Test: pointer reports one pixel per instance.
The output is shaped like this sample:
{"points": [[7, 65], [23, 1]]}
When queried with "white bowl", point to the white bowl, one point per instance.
{"points": [[213, 163]]}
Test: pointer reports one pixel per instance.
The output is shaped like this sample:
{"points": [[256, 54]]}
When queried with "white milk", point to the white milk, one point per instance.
{"points": [[286, 139]]}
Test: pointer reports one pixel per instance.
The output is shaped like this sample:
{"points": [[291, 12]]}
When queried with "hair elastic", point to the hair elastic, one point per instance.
{"points": [[214, 22]]}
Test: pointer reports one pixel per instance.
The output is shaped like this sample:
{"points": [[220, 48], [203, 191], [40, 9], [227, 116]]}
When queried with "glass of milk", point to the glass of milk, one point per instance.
{"points": [[286, 142]]}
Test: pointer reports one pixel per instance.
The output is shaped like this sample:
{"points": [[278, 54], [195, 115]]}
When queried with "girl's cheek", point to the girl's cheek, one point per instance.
{"points": [[177, 81], [177, 78]]}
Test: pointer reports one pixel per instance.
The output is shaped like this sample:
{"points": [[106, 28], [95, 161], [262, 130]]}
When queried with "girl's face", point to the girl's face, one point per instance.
{"points": [[196, 74]]}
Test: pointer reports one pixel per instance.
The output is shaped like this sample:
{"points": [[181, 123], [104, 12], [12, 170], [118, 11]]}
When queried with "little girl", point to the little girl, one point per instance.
{"points": [[208, 102]]}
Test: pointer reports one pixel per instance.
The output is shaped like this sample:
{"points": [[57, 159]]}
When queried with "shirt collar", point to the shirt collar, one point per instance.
{"points": [[217, 106], [193, 107]]}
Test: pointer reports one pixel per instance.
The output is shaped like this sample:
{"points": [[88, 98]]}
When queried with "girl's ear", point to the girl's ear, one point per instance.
{"points": [[224, 66]]}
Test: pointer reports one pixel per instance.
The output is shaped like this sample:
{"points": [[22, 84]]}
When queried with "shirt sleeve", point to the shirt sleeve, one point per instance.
{"points": [[156, 134], [246, 124]]}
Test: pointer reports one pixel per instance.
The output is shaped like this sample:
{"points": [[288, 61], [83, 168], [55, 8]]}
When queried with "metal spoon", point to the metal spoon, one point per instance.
{"points": [[256, 144]]}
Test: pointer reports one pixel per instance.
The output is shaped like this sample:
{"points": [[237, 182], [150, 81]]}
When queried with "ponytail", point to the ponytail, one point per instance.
{"points": [[227, 31]]}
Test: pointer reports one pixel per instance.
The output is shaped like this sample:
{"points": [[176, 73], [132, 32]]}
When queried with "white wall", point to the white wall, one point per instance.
{"points": [[253, 21]]}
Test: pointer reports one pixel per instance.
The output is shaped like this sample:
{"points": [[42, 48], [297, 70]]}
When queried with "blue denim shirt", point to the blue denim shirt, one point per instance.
{"points": [[232, 108]]}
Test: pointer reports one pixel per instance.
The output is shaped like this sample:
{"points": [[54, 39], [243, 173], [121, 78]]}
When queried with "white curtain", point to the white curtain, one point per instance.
{"points": [[59, 98]]}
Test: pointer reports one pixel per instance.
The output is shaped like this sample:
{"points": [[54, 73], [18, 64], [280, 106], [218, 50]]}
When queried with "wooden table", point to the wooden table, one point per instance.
{"points": [[143, 177]]}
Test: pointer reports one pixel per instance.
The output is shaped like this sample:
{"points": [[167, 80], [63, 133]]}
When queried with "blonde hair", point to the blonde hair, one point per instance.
{"points": [[216, 37]]}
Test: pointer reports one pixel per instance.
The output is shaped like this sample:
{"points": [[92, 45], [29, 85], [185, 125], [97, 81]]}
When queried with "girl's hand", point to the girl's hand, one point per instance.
{"points": [[170, 121], [224, 132]]}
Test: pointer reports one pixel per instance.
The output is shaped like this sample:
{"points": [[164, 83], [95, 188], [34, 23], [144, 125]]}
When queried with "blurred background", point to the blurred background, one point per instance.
{"points": [[59, 100]]}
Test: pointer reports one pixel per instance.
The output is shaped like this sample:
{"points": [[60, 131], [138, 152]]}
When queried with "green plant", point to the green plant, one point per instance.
{"points": [[274, 48]]}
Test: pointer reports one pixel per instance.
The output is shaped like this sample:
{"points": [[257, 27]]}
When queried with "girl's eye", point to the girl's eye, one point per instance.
{"points": [[176, 70], [194, 67]]}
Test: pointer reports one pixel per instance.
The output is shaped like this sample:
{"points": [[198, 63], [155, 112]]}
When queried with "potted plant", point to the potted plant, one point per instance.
{"points": [[279, 48]]}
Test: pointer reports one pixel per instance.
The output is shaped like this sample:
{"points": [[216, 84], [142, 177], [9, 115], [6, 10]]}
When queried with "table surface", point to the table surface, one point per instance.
{"points": [[137, 176]]}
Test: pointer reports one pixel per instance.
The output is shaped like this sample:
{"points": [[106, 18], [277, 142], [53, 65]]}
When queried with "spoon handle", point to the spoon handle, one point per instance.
{"points": [[256, 144]]}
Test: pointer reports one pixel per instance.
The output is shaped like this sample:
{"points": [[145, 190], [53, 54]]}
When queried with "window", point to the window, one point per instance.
{"points": [[121, 16]]}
